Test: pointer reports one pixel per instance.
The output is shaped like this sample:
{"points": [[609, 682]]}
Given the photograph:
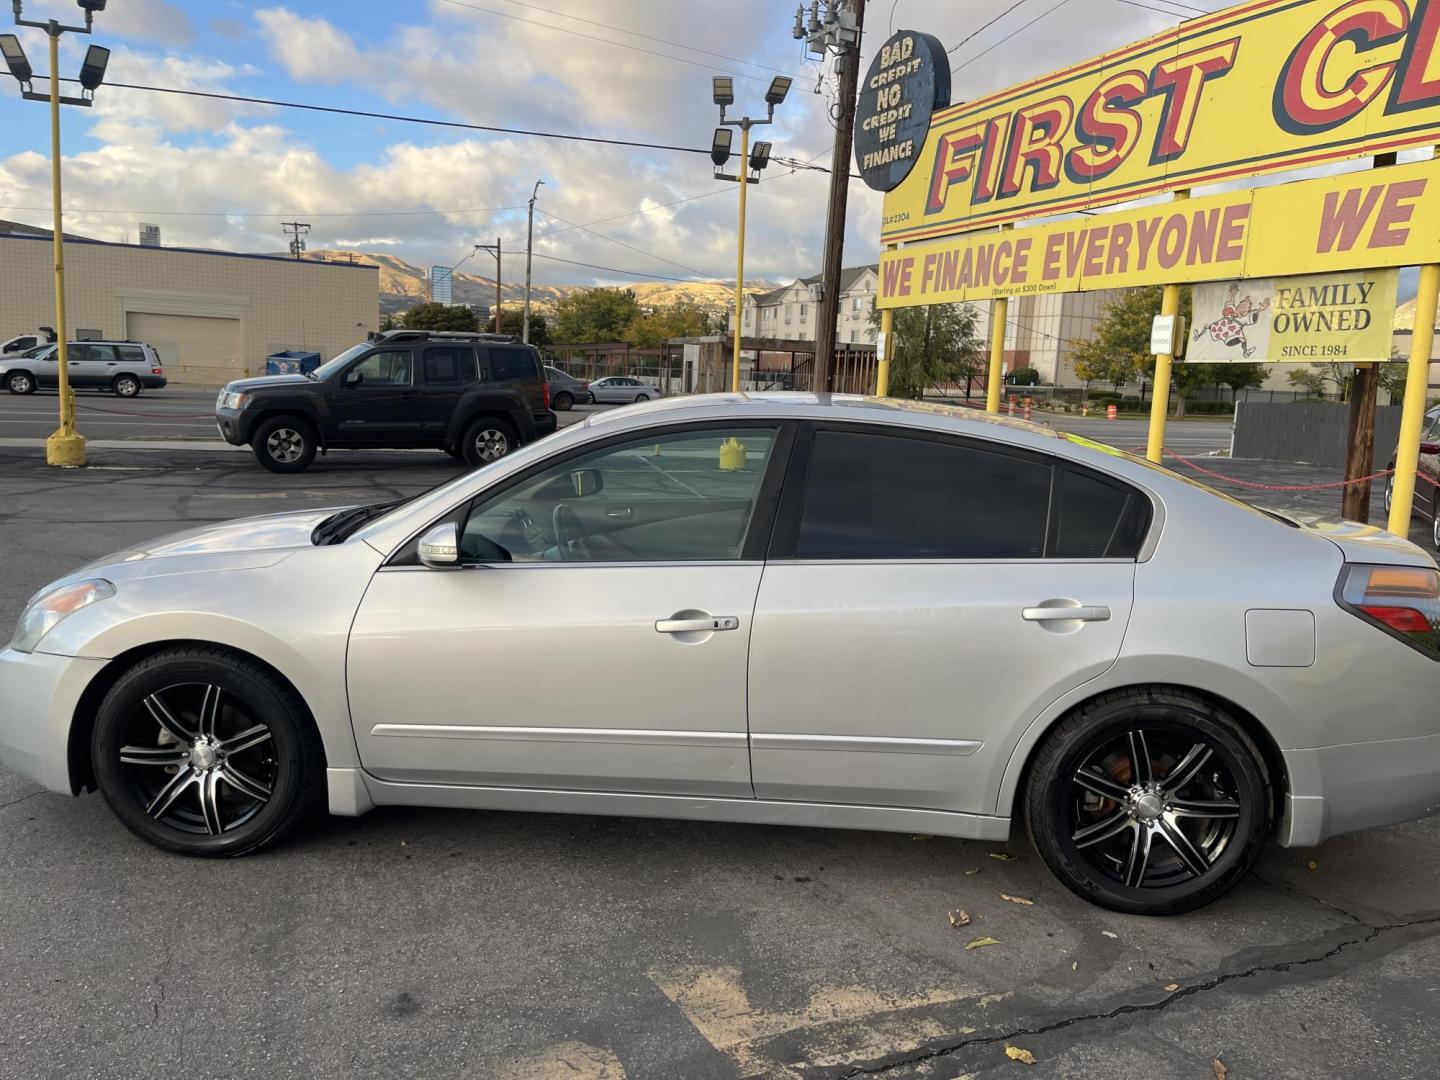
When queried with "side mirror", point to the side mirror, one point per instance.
{"points": [[439, 549], [587, 482], [354, 378]]}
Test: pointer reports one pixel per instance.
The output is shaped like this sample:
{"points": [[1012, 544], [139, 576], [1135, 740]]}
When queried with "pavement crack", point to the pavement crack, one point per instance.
{"points": [[22, 798], [159, 983], [1308, 896], [1170, 999]]}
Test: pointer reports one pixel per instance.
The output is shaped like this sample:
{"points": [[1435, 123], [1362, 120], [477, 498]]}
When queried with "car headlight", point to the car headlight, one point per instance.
{"points": [[47, 610], [230, 399]]}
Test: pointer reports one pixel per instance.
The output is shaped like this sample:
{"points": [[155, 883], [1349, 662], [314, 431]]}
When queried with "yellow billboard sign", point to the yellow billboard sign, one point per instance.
{"points": [[1258, 88], [1314, 318], [1360, 220]]}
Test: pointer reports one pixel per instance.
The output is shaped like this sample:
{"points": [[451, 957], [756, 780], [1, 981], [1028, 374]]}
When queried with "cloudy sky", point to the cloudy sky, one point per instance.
{"points": [[217, 174]]}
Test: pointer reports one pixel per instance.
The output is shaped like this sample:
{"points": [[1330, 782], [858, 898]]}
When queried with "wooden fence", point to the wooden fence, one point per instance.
{"points": [[1314, 432]]}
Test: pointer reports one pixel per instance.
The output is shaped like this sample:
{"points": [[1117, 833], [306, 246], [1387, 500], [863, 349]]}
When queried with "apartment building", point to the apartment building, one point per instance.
{"points": [[791, 313]]}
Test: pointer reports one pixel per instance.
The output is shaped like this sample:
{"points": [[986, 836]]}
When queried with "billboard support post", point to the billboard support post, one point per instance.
{"points": [[999, 316], [1412, 420], [1160, 402], [886, 350]]}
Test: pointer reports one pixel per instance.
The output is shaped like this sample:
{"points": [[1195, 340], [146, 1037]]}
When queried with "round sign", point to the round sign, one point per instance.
{"points": [[908, 80]]}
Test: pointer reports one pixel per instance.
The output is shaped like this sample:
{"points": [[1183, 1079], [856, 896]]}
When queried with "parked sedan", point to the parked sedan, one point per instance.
{"points": [[621, 389], [1427, 487], [566, 391], [847, 613]]}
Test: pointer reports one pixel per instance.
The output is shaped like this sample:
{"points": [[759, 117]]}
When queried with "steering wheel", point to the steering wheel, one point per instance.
{"points": [[570, 536]]}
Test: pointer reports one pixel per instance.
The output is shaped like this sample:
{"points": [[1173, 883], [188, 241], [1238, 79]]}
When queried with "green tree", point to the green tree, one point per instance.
{"points": [[651, 329], [1317, 380], [934, 344], [441, 317], [512, 321], [1024, 376], [598, 314]]}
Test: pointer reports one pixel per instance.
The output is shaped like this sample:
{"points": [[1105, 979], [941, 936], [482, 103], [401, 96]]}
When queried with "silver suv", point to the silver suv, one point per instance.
{"points": [[123, 368]]}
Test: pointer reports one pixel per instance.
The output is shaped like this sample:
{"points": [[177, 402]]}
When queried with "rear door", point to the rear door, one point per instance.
{"points": [[446, 371], [517, 367], [910, 622]]}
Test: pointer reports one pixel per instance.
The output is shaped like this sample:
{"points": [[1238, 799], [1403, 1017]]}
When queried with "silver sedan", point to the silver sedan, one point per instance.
{"points": [[621, 390], [847, 612]]}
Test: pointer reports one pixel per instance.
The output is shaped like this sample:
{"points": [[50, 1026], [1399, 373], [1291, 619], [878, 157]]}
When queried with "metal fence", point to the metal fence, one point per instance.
{"points": [[1314, 432]]}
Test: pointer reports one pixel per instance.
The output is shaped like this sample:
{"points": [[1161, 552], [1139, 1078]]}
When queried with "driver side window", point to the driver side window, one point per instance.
{"points": [[382, 369], [679, 497]]}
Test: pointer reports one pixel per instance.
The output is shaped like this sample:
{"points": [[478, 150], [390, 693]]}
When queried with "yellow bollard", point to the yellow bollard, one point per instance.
{"points": [[732, 455]]}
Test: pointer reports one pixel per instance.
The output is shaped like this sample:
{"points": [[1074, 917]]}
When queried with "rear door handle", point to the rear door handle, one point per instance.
{"points": [[1095, 613], [693, 626]]}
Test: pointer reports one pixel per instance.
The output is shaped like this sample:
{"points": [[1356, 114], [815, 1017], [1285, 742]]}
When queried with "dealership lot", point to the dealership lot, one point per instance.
{"points": [[490, 944]]}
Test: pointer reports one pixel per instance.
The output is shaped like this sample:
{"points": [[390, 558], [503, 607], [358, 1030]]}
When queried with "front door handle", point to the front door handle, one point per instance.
{"points": [[708, 624], [1094, 613]]}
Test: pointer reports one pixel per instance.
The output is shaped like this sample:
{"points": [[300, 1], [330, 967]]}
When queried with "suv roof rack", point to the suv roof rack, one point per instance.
{"points": [[399, 336]]}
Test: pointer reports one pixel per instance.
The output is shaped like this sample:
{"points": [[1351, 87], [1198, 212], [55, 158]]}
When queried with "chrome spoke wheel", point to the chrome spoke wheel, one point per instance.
{"points": [[491, 444], [196, 760], [285, 445], [1152, 807]]}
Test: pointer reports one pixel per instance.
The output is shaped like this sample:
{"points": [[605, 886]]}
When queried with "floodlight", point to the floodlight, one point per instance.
{"points": [[15, 57], [720, 146], [779, 87], [723, 87], [91, 6], [92, 71], [759, 156]]}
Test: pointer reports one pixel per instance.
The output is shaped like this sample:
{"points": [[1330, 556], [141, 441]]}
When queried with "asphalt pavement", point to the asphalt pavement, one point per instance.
{"points": [[450, 943]]}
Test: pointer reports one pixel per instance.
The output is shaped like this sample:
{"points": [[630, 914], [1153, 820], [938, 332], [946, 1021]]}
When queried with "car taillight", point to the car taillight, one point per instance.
{"points": [[545, 394], [157, 371], [1402, 600]]}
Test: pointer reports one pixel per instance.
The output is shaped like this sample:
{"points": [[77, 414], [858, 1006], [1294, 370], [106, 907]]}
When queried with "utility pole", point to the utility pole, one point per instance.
{"points": [[839, 32], [297, 231], [529, 252]]}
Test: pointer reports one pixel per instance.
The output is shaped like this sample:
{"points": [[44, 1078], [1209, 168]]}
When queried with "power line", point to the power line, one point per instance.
{"points": [[984, 27], [267, 214], [605, 41], [617, 270], [1163, 11], [1007, 37], [621, 243]]}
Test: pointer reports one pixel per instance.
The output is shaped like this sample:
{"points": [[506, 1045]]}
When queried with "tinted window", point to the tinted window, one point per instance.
{"points": [[681, 496], [888, 497], [449, 366], [131, 354], [384, 369], [101, 353], [1099, 519], [512, 365]]}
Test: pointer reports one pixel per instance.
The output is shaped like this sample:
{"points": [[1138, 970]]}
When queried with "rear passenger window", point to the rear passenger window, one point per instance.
{"points": [[509, 365], [871, 496], [450, 366], [131, 354], [1099, 519]]}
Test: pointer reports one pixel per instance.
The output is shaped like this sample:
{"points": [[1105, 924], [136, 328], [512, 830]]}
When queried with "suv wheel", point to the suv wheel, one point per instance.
{"points": [[1150, 802], [203, 752], [125, 386], [284, 444], [487, 439], [563, 401], [20, 382]]}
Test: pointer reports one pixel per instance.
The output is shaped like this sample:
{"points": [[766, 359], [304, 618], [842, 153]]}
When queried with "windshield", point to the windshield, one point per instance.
{"points": [[330, 367], [38, 353]]}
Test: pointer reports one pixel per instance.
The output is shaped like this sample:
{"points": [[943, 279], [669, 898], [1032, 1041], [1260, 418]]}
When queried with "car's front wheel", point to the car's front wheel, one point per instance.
{"points": [[20, 382], [284, 444], [125, 386], [487, 439], [204, 752], [1151, 802], [563, 401]]}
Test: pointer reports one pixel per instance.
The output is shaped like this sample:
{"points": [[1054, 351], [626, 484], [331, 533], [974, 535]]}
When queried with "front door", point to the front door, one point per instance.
{"points": [[377, 404], [596, 637], [916, 617]]}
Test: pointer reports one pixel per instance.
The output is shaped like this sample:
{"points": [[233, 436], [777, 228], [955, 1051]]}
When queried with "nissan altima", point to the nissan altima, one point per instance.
{"points": [[845, 612]]}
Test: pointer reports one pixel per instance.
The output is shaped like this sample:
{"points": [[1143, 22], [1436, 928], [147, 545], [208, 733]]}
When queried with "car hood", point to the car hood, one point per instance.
{"points": [[265, 382]]}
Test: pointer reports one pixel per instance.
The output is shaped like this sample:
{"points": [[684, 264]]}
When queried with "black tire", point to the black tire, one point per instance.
{"points": [[284, 444], [564, 400], [642, 397], [125, 386], [1223, 817], [160, 786], [20, 382], [454, 452], [487, 439]]}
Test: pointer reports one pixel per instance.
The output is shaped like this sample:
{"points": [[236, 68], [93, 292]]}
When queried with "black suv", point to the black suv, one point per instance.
{"points": [[475, 396]]}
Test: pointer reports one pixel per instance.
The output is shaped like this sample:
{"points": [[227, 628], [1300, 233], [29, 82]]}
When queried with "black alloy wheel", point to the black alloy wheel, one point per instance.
{"points": [[203, 752], [642, 397], [125, 386], [1149, 802]]}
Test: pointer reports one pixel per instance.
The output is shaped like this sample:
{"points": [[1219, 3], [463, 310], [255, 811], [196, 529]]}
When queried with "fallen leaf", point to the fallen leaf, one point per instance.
{"points": [[1003, 856], [1014, 1053], [1075, 966], [1170, 988], [959, 918], [1313, 865], [1220, 1069], [1017, 900], [980, 943], [1107, 933], [404, 843], [975, 870]]}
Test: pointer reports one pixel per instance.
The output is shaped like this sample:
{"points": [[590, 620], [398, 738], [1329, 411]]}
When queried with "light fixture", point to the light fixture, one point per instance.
{"points": [[15, 58], [92, 71], [720, 146], [779, 87], [91, 6], [759, 156], [723, 87]]}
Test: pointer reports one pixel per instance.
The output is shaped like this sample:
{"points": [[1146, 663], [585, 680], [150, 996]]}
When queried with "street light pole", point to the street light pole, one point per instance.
{"points": [[529, 250], [66, 446], [740, 261]]}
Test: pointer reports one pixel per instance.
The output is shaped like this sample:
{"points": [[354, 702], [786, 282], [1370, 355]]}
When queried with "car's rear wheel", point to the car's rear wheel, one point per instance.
{"points": [[20, 382], [1435, 526], [563, 401], [642, 397], [1389, 490], [203, 752], [487, 439], [1151, 802], [125, 386], [284, 444]]}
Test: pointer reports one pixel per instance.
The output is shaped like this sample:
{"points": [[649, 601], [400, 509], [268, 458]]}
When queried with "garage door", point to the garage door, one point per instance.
{"points": [[193, 348]]}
